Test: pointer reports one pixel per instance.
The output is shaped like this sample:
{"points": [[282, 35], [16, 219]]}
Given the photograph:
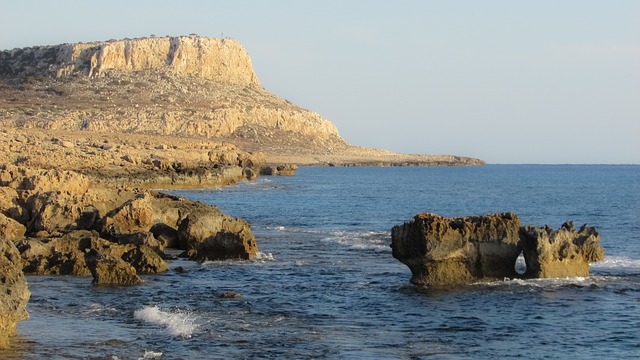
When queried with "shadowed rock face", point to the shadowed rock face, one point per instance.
{"points": [[560, 253], [14, 294], [449, 251]]}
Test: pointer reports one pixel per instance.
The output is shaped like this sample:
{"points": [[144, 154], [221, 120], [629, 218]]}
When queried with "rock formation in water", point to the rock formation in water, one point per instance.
{"points": [[443, 251], [560, 253], [449, 251], [111, 270], [14, 294]]}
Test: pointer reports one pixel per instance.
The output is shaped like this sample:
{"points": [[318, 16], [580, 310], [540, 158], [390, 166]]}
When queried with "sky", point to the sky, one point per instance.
{"points": [[506, 81]]}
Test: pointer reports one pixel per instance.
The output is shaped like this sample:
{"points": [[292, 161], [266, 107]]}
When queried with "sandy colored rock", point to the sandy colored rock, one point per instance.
{"points": [[14, 293], [444, 251], [11, 229], [560, 253]]}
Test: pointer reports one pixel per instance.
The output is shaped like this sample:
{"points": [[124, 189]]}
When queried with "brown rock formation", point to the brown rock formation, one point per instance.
{"points": [[208, 234], [449, 251], [14, 294], [282, 170], [560, 253], [110, 270]]}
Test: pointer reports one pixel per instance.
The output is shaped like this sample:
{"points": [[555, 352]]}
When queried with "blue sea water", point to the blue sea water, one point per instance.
{"points": [[325, 285]]}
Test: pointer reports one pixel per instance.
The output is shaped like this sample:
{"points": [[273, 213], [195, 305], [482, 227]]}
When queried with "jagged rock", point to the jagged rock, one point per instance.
{"points": [[65, 255], [14, 293], [11, 229], [166, 235], [249, 174], [202, 230], [287, 169], [111, 270], [60, 256], [208, 234], [145, 260], [448, 251], [9, 205], [560, 253], [283, 170]]}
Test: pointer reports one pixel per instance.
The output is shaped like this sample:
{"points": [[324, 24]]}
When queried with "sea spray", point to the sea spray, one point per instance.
{"points": [[177, 323]]}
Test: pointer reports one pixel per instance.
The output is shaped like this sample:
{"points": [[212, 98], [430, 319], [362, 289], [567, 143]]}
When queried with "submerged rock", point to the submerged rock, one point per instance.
{"points": [[559, 253], [447, 251], [14, 293]]}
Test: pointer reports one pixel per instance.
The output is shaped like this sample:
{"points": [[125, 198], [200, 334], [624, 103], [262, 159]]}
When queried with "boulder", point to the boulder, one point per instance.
{"points": [[202, 230], [145, 260], [560, 253], [11, 229], [14, 293], [282, 170], [9, 205], [208, 234], [444, 251], [111, 270]]}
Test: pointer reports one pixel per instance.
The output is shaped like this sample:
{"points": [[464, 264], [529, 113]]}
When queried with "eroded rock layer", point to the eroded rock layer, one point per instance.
{"points": [[14, 294], [450, 251], [443, 251]]}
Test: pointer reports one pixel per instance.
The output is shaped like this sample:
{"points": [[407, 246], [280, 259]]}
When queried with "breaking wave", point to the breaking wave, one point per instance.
{"points": [[178, 323]]}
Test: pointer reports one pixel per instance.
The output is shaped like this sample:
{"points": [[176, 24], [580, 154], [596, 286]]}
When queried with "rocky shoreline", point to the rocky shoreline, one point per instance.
{"points": [[87, 131]]}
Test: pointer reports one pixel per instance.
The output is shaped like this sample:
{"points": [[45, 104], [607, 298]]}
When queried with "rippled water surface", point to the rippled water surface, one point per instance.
{"points": [[326, 286]]}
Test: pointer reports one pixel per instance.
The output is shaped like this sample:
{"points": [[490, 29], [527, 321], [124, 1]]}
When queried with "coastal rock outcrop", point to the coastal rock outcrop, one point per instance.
{"points": [[282, 170], [208, 234], [65, 255], [110, 270], [451, 251], [14, 293], [560, 253], [448, 251]]}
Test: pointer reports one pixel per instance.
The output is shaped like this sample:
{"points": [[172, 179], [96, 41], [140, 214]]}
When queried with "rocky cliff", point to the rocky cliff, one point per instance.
{"points": [[222, 60], [186, 86]]}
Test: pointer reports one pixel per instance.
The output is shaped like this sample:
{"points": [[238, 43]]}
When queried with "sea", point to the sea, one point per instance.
{"points": [[325, 285]]}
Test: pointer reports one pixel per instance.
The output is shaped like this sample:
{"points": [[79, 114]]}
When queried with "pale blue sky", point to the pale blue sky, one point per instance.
{"points": [[545, 81]]}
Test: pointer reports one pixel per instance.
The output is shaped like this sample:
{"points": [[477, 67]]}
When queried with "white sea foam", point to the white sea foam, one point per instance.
{"points": [[151, 355], [617, 262], [361, 240], [177, 323], [260, 256]]}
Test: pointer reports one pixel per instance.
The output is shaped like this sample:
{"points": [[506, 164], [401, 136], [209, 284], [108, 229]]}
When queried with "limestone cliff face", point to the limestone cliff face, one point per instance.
{"points": [[184, 86], [223, 60]]}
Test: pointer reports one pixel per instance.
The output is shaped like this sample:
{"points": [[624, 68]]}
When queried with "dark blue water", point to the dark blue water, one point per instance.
{"points": [[326, 286]]}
